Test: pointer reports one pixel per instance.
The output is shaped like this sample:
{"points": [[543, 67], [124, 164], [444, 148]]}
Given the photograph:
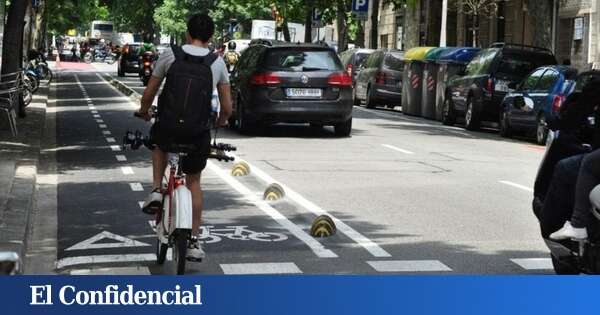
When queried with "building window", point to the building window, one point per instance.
{"points": [[384, 41]]}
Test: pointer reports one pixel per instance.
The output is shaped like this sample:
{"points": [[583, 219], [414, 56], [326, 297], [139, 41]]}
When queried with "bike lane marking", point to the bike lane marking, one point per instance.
{"points": [[127, 170], [525, 188], [121, 158], [374, 249], [260, 268], [294, 229], [391, 147], [136, 186], [103, 259]]}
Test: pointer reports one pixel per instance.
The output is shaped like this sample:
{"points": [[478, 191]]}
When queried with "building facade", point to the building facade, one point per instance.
{"points": [[578, 33]]}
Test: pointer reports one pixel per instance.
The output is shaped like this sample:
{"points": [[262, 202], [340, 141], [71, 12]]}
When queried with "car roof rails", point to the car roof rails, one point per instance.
{"points": [[521, 46], [268, 42]]}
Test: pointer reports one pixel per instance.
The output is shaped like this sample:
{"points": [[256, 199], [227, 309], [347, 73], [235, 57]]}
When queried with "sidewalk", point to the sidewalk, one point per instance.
{"points": [[19, 160]]}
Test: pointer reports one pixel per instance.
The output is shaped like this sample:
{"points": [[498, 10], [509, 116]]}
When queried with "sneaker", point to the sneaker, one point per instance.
{"points": [[195, 252], [153, 203], [569, 232]]}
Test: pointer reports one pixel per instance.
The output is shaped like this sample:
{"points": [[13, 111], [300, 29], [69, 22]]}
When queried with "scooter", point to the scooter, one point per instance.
{"points": [[147, 60], [569, 257]]}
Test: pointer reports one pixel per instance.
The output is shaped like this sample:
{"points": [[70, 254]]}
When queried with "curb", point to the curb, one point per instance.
{"points": [[131, 93], [15, 217]]}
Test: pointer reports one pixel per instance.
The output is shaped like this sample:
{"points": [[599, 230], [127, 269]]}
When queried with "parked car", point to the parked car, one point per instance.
{"points": [[379, 81], [477, 94], [545, 89], [353, 58], [277, 82], [129, 60]]}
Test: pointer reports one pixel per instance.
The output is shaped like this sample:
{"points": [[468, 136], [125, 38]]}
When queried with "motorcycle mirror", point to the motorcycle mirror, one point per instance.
{"points": [[10, 263]]}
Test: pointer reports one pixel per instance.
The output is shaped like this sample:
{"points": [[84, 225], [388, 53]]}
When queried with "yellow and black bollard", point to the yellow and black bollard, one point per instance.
{"points": [[274, 192], [323, 226], [240, 169]]}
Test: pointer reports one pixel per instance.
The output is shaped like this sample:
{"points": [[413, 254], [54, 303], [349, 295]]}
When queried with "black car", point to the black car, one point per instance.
{"points": [[353, 58], [278, 82], [477, 94], [129, 60], [379, 81]]}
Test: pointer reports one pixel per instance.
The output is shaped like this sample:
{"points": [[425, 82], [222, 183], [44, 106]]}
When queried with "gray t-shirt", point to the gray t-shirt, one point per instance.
{"points": [[166, 59]]}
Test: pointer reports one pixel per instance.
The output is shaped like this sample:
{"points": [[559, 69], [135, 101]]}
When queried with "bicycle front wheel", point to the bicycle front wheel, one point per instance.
{"points": [[180, 251]]}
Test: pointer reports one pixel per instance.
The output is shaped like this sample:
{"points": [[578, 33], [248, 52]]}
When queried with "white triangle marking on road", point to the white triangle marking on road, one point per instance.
{"points": [[122, 242]]}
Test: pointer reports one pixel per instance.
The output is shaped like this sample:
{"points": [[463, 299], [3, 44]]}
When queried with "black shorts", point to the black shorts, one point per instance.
{"points": [[194, 162]]}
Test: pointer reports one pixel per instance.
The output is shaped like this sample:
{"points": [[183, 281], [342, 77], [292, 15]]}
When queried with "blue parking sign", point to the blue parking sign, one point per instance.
{"points": [[360, 6]]}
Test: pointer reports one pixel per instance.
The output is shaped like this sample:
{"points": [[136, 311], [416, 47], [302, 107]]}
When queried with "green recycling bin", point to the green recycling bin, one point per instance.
{"points": [[450, 64], [429, 85], [412, 80]]}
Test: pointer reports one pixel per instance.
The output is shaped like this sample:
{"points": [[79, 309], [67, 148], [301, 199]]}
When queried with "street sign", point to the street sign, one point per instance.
{"points": [[360, 8], [317, 18]]}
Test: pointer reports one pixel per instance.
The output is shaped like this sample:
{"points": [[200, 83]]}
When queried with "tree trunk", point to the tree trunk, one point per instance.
{"points": [[342, 26], [475, 30], [374, 24], [308, 23], [360, 35], [40, 26], [12, 50], [286, 31]]}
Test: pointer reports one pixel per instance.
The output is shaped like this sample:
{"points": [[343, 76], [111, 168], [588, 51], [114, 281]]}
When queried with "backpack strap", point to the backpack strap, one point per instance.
{"points": [[210, 59], [178, 52]]}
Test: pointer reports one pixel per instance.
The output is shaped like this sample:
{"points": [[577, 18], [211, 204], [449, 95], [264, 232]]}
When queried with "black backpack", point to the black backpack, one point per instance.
{"points": [[184, 106]]}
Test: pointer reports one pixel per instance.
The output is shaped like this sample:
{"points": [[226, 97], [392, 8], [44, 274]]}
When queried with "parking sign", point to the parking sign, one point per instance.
{"points": [[317, 18], [360, 8]]}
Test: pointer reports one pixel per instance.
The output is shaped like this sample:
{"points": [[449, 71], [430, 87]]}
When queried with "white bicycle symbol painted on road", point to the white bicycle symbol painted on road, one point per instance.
{"points": [[209, 234]]}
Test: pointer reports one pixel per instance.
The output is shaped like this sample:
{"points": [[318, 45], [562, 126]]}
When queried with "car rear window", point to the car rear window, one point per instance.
{"points": [[394, 61], [295, 60], [517, 66], [360, 58]]}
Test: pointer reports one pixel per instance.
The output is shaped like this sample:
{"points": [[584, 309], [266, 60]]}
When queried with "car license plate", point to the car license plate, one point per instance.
{"points": [[502, 86], [304, 93]]}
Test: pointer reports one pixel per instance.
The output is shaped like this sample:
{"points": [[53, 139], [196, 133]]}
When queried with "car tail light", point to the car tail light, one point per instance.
{"points": [[557, 103], [340, 79], [147, 64], [490, 85], [349, 69], [380, 78], [265, 79]]}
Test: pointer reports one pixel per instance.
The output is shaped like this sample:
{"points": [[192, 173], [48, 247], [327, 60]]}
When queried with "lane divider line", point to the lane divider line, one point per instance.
{"points": [[391, 147], [94, 112], [294, 229], [342, 227], [260, 268], [136, 187], [115, 148], [97, 116], [519, 186], [106, 133], [534, 263], [121, 158], [100, 121], [111, 140], [103, 126]]}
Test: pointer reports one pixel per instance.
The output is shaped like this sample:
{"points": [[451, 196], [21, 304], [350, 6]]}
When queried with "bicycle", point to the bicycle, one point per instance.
{"points": [[174, 218]]}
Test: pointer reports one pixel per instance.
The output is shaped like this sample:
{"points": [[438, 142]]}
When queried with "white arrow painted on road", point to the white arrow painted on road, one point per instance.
{"points": [[122, 241]]}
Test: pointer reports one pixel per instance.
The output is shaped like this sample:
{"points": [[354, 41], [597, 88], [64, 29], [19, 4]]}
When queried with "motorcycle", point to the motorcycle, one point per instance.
{"points": [[147, 65], [569, 257]]}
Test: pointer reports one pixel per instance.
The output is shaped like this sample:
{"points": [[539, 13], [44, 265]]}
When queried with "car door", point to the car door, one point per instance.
{"points": [[542, 95], [363, 76], [476, 69], [527, 89]]}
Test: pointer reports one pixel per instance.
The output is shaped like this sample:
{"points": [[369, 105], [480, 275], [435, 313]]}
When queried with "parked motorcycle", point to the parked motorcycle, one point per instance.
{"points": [[147, 65]]}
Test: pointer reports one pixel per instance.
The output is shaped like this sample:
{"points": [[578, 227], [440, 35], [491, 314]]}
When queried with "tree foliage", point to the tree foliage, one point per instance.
{"points": [[64, 15]]}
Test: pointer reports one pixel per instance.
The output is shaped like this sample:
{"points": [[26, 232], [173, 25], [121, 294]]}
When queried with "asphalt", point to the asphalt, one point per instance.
{"points": [[409, 195]]}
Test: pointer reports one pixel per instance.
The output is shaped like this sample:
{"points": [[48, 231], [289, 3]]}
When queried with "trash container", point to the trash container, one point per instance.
{"points": [[412, 80], [429, 85], [451, 63]]}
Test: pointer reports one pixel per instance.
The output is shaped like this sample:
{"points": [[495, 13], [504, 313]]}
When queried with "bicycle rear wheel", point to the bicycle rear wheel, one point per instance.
{"points": [[180, 250]]}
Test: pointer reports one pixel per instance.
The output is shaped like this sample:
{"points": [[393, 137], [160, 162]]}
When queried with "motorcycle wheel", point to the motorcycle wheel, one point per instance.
{"points": [[34, 83], [564, 267]]}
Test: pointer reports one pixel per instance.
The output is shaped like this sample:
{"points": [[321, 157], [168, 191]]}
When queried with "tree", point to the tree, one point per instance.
{"points": [[476, 9], [12, 49]]}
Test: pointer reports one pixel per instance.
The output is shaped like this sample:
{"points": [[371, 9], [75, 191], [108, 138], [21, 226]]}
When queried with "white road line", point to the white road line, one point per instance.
{"points": [[111, 140], [94, 112], [96, 116], [534, 263], [102, 126], [342, 227], [141, 204], [120, 242], [121, 158], [260, 269], [136, 187], [123, 271], [106, 133], [127, 170], [102, 259], [516, 185], [409, 266], [100, 121], [391, 147], [312, 243], [115, 148]]}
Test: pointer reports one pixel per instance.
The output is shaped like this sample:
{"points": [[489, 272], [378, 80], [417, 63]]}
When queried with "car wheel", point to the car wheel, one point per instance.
{"points": [[541, 133], [471, 116], [505, 129], [343, 129], [369, 103], [448, 115]]}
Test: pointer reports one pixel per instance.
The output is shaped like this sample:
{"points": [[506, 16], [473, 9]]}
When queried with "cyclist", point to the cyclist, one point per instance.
{"points": [[200, 29]]}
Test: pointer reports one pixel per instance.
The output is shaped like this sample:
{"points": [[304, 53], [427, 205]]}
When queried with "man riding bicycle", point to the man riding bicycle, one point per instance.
{"points": [[176, 63]]}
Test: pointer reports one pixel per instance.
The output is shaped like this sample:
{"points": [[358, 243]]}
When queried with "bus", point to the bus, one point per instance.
{"points": [[102, 30]]}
